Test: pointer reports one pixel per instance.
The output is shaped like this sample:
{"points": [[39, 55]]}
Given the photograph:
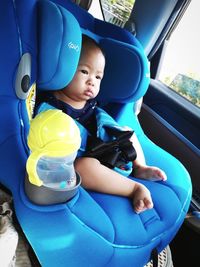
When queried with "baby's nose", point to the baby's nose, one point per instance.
{"points": [[91, 81]]}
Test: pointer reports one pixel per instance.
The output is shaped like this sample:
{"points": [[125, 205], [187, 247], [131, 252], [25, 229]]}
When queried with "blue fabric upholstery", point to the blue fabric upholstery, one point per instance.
{"points": [[128, 85], [92, 229], [120, 54], [59, 32]]}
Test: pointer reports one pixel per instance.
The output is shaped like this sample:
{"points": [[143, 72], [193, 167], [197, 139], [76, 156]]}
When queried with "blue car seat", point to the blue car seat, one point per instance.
{"points": [[92, 229]]}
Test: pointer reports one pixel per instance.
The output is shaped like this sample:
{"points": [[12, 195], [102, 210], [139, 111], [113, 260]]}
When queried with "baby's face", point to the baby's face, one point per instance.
{"points": [[86, 82]]}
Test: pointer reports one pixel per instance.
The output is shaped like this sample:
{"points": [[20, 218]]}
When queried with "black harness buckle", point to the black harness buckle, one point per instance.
{"points": [[115, 153]]}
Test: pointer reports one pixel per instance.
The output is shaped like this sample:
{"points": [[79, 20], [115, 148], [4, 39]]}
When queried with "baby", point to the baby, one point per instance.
{"points": [[77, 100]]}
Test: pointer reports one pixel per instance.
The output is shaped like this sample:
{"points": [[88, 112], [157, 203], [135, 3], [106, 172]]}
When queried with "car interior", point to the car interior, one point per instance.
{"points": [[38, 53]]}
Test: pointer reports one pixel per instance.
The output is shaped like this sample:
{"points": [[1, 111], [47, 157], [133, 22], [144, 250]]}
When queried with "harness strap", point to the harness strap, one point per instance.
{"points": [[114, 153]]}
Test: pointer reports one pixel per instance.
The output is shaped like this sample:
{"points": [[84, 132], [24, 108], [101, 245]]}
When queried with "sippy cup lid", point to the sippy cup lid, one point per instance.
{"points": [[54, 133]]}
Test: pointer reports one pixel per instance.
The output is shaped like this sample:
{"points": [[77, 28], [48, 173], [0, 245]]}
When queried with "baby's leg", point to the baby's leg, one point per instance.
{"points": [[100, 178], [142, 198]]}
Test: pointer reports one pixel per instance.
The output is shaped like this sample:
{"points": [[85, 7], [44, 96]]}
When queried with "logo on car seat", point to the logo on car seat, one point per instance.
{"points": [[73, 46]]}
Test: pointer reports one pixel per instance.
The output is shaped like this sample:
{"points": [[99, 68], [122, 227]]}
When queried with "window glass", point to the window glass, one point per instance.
{"points": [[180, 65], [85, 4], [117, 11], [95, 10]]}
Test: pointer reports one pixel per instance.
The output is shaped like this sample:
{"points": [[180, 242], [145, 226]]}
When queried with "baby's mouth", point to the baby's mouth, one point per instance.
{"points": [[88, 92]]}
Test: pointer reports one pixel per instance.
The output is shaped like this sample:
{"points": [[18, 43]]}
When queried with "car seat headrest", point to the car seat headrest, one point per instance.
{"points": [[59, 46], [126, 75]]}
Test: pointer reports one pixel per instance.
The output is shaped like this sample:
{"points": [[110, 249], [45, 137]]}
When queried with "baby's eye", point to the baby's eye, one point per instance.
{"points": [[98, 77], [84, 71]]}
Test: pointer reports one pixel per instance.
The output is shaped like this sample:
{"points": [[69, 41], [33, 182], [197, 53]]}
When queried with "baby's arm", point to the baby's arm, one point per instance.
{"points": [[98, 177]]}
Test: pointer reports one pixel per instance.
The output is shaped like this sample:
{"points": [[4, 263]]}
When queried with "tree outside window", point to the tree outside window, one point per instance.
{"points": [[180, 68], [117, 11]]}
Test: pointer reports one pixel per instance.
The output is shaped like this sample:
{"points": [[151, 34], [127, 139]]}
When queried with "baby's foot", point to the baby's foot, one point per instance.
{"points": [[150, 173], [142, 199]]}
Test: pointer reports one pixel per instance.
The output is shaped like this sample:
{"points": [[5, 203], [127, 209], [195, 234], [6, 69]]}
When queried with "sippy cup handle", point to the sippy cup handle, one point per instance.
{"points": [[31, 165]]}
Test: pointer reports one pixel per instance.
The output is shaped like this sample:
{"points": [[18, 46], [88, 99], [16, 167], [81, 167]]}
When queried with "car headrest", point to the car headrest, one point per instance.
{"points": [[59, 38], [126, 76]]}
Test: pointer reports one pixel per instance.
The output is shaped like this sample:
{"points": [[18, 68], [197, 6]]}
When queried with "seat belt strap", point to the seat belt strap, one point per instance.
{"points": [[112, 153]]}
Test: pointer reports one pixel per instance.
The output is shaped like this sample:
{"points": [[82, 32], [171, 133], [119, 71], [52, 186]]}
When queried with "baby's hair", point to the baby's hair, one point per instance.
{"points": [[88, 41]]}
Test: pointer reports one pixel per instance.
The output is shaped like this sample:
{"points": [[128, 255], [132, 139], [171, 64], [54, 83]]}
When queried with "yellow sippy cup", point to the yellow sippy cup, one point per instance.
{"points": [[54, 139]]}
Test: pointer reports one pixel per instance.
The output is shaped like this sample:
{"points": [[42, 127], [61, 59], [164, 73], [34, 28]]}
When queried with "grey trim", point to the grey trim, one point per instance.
{"points": [[23, 71]]}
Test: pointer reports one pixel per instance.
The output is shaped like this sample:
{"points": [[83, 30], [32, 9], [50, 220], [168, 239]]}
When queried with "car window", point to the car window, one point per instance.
{"points": [[83, 3], [180, 68], [117, 11]]}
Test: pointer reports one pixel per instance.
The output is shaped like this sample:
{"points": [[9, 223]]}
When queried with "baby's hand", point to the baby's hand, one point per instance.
{"points": [[150, 173]]}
